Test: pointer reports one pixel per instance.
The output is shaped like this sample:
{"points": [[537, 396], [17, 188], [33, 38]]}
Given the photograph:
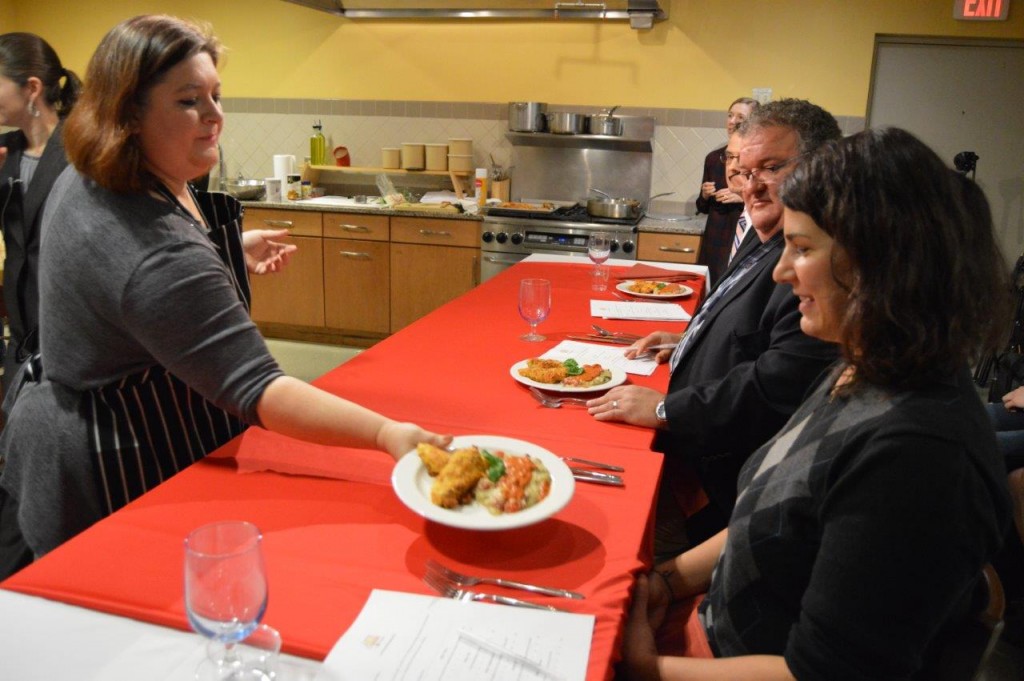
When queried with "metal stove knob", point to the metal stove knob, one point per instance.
{"points": [[628, 247], [517, 238], [488, 237], [502, 237]]}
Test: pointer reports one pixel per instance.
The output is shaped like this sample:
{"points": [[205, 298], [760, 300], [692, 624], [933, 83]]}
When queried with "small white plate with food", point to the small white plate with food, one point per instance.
{"points": [[646, 288], [467, 487], [561, 376]]}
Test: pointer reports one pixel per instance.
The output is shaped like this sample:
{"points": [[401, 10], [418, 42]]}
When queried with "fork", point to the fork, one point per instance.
{"points": [[555, 402], [449, 590], [461, 579]]}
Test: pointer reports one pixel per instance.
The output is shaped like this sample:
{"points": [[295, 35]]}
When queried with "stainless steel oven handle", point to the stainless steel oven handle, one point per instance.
{"points": [[673, 249], [501, 261]]}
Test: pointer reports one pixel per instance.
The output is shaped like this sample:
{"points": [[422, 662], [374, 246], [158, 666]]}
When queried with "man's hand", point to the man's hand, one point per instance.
{"points": [[629, 404], [656, 338], [1014, 399], [262, 255]]}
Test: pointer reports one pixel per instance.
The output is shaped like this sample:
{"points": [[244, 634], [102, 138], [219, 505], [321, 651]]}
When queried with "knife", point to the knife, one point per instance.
{"points": [[584, 475], [612, 340]]}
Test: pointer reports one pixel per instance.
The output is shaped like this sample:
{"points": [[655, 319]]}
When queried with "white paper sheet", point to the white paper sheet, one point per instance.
{"points": [[609, 356], [662, 312], [400, 636]]}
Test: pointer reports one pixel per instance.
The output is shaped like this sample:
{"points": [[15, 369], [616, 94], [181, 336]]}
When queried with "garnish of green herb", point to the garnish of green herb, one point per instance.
{"points": [[572, 366], [495, 466]]}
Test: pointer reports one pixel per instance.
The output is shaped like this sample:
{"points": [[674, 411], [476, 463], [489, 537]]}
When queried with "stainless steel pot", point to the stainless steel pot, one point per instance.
{"points": [[619, 208], [605, 123], [526, 116], [564, 123]]}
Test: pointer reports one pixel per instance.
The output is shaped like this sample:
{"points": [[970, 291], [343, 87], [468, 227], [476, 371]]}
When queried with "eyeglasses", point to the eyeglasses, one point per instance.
{"points": [[767, 174], [725, 157]]}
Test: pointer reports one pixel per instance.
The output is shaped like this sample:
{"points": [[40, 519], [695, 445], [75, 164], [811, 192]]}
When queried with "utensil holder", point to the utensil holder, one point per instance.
{"points": [[500, 189]]}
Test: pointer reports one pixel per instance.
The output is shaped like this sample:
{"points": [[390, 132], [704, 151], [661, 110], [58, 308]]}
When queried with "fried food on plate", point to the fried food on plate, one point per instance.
{"points": [[458, 478], [591, 372], [660, 288], [544, 370], [434, 458]]}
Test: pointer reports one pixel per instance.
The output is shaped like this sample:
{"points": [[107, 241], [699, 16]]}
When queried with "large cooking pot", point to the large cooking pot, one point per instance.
{"points": [[564, 123], [526, 116], [619, 208], [605, 123]]}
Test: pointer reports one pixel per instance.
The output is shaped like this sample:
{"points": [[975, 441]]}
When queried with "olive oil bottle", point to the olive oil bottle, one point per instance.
{"points": [[318, 146]]}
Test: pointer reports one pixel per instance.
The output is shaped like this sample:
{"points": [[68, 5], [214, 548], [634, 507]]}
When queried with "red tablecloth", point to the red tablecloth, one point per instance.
{"points": [[330, 541]]}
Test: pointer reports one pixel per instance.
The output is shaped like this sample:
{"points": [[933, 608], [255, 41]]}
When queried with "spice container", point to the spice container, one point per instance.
{"points": [[480, 185], [293, 192]]}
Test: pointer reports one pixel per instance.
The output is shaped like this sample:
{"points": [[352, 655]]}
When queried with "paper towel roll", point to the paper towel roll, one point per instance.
{"points": [[284, 165]]}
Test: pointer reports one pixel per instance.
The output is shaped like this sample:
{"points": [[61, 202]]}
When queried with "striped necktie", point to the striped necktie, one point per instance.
{"points": [[737, 239]]}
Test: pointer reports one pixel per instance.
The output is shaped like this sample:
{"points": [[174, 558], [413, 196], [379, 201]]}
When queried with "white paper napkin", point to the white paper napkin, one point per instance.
{"points": [[609, 356], [662, 312]]}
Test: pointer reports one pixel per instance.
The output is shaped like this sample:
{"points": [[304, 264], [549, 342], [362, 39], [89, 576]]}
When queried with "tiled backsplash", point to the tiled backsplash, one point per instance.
{"points": [[256, 129]]}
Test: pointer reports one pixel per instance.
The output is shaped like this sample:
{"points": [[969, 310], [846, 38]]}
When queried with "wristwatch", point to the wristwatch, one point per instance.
{"points": [[659, 412]]}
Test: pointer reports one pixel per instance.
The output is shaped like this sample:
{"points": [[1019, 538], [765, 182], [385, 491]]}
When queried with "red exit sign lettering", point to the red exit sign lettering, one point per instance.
{"points": [[981, 10]]}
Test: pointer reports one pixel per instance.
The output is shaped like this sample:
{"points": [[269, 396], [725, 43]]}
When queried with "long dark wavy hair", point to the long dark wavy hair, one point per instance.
{"points": [[26, 55], [914, 245], [132, 58]]}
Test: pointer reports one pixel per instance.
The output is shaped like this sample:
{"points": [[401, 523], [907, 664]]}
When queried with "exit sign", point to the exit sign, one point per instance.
{"points": [[981, 10]]}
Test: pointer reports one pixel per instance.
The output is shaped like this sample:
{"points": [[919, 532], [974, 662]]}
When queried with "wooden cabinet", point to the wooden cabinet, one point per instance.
{"points": [[432, 262], [682, 248], [294, 296], [357, 285]]}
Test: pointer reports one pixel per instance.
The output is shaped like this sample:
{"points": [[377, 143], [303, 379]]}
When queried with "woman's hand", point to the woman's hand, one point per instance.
{"points": [[707, 189], [1014, 399], [262, 255], [727, 196], [398, 439], [639, 650]]}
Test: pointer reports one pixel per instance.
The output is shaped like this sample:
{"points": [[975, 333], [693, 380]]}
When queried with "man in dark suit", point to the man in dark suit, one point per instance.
{"points": [[743, 365]]}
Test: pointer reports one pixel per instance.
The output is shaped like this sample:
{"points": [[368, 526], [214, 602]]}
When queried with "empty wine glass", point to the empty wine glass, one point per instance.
{"points": [[599, 247], [534, 305], [225, 598]]}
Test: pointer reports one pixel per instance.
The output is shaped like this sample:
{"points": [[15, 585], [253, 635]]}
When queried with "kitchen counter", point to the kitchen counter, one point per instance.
{"points": [[666, 217]]}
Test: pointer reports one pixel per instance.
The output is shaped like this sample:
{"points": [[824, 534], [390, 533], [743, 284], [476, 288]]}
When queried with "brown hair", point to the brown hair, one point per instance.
{"points": [[131, 59], [752, 103], [26, 55], [914, 244]]}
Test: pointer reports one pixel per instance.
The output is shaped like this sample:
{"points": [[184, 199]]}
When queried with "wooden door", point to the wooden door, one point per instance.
{"points": [[357, 285], [425, 277], [294, 295]]}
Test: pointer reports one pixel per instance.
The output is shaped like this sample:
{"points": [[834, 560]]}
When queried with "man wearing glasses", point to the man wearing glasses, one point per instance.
{"points": [[743, 365]]}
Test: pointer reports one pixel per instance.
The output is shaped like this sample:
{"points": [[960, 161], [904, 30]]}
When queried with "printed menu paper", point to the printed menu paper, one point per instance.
{"points": [[400, 636], [608, 356], [660, 312]]}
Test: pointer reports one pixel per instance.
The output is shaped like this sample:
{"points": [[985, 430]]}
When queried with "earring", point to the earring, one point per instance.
{"points": [[32, 110]]}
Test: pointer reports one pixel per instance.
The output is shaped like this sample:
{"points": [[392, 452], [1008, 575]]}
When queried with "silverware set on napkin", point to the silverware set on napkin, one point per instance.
{"points": [[451, 584]]}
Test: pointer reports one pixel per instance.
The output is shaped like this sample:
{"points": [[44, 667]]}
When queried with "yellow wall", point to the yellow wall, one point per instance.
{"points": [[707, 53]]}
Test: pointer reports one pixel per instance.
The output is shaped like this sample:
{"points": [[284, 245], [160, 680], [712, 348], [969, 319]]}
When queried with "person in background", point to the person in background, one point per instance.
{"points": [[149, 359], [721, 203], [862, 527], [743, 365], [36, 94], [735, 180]]}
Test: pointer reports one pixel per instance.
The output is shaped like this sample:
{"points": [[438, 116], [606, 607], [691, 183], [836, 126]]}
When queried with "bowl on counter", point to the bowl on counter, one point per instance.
{"points": [[246, 190]]}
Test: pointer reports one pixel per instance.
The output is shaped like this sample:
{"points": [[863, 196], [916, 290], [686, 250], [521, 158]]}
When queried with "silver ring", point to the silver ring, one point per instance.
{"points": [[615, 404]]}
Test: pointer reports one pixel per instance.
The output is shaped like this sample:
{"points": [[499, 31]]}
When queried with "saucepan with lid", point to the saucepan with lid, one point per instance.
{"points": [[618, 208], [565, 123], [605, 123], [526, 116]]}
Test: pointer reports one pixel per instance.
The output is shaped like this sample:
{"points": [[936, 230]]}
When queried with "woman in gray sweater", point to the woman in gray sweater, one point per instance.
{"points": [[149, 359]]}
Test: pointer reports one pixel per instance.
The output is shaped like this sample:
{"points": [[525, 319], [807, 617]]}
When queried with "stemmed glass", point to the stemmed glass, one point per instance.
{"points": [[534, 305], [225, 598], [599, 247]]}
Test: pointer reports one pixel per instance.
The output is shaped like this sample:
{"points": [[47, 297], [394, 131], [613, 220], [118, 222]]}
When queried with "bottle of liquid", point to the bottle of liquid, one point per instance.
{"points": [[318, 146], [480, 186]]}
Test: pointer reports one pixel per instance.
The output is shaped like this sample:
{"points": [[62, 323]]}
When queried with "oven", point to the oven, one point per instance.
{"points": [[508, 236]]}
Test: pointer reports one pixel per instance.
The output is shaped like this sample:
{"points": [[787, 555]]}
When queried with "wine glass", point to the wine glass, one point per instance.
{"points": [[225, 598], [534, 305], [599, 247]]}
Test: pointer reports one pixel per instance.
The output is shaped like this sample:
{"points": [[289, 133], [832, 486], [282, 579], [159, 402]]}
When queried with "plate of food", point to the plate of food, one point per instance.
{"points": [[483, 482], [566, 376], [646, 288]]}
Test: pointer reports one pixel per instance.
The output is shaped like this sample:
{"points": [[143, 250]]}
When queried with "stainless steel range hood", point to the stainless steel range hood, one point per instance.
{"points": [[639, 13]]}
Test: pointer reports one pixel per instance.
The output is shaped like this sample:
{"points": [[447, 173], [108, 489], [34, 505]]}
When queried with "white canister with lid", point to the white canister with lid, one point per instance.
{"points": [[413, 156], [390, 157], [437, 157]]}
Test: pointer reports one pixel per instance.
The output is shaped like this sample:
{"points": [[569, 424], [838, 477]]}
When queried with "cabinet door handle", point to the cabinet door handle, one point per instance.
{"points": [[435, 232], [282, 224], [353, 228], [361, 255], [675, 249]]}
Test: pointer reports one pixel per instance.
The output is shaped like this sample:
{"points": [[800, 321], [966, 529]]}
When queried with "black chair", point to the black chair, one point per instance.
{"points": [[961, 652]]}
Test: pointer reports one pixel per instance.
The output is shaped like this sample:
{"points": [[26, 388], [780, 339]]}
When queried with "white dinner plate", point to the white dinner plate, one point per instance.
{"points": [[618, 378], [624, 287], [412, 483]]}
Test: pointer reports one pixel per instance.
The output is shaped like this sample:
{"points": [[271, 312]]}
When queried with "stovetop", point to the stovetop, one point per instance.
{"points": [[575, 213]]}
